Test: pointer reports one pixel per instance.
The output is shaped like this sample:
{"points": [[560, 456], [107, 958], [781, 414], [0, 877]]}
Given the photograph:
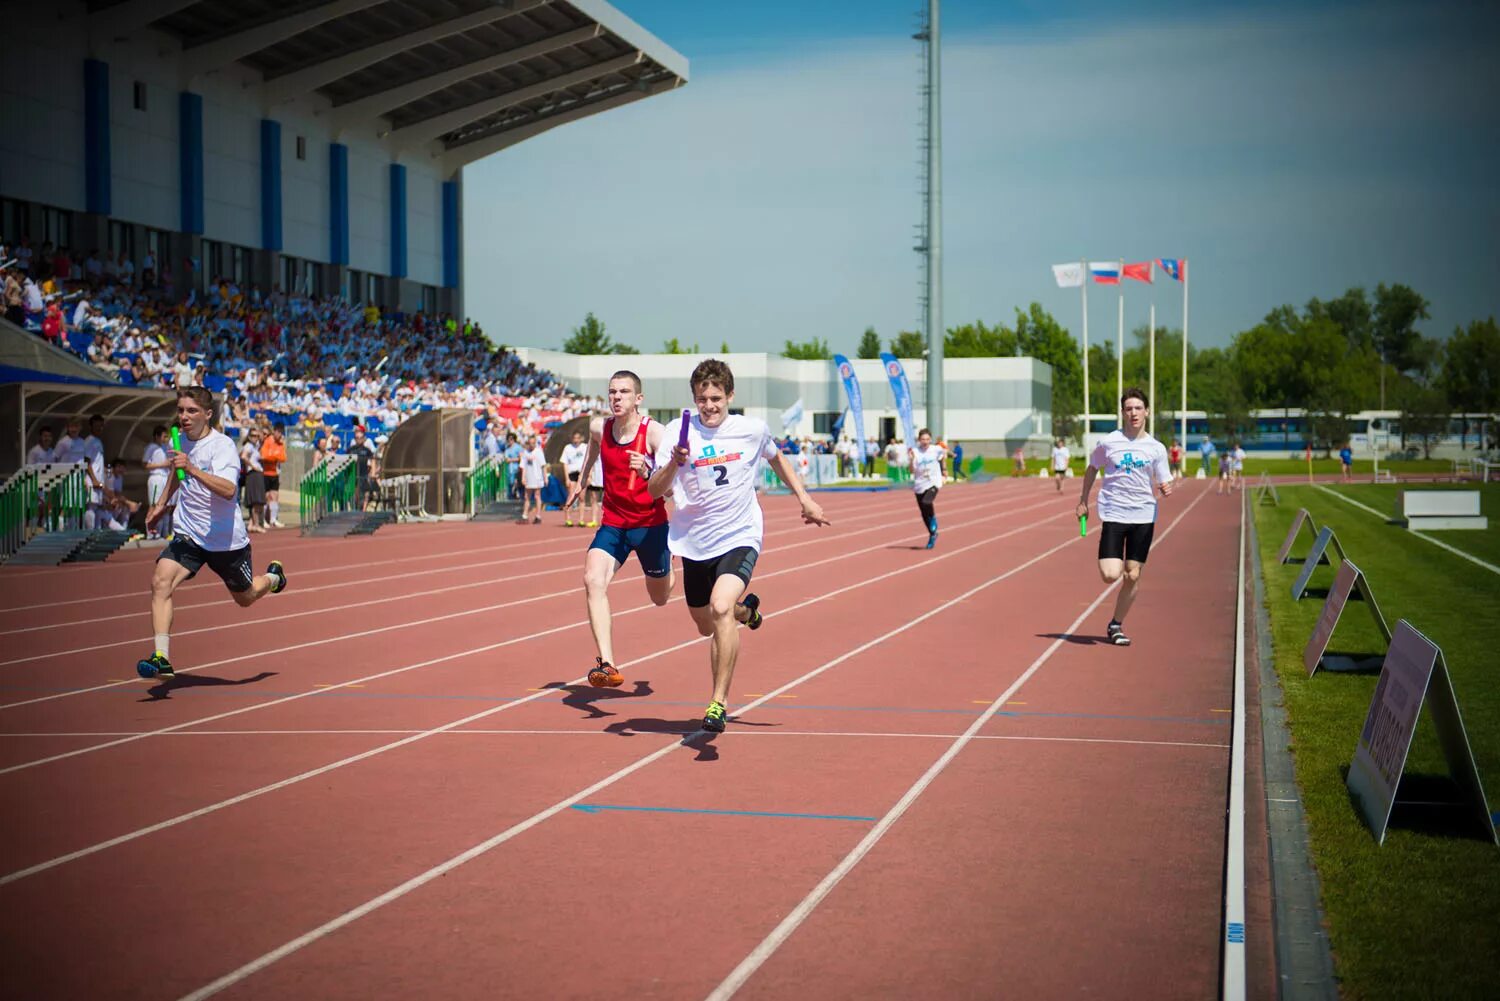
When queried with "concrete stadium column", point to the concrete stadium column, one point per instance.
{"points": [[190, 160], [97, 187], [334, 276], [398, 220], [270, 184]]}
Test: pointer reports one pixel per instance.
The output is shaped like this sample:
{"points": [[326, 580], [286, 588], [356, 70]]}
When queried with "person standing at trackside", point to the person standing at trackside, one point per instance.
{"points": [[573, 454], [1346, 462], [208, 527], [272, 455], [513, 452], [157, 467], [533, 479], [927, 479], [1019, 460], [1206, 453], [634, 520], [367, 466], [1135, 467], [958, 461], [1237, 466], [717, 525], [1174, 459], [1060, 459], [44, 451], [254, 480]]}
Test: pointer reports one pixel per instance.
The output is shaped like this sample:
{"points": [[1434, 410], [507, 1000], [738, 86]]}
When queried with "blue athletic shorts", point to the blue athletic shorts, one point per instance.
{"points": [[648, 544]]}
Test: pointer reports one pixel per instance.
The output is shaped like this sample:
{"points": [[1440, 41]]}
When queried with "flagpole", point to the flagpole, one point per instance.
{"points": [[1183, 270], [1084, 288], [1151, 377], [1120, 337]]}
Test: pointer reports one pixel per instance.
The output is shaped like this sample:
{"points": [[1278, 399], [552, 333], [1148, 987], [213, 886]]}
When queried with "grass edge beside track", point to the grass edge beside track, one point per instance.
{"points": [[1416, 917]]}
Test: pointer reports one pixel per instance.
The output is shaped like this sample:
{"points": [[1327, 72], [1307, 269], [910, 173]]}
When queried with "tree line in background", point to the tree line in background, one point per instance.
{"points": [[1334, 357]]}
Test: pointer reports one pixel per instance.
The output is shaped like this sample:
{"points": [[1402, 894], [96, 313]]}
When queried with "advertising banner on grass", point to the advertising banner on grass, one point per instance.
{"points": [[901, 389]]}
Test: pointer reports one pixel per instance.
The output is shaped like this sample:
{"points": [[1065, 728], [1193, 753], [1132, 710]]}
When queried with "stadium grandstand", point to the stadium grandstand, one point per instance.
{"points": [[266, 199]]}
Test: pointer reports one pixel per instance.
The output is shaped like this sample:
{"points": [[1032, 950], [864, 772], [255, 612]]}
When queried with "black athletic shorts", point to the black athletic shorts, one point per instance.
{"points": [[273, 482], [699, 576], [1119, 541], [573, 476], [232, 565]]}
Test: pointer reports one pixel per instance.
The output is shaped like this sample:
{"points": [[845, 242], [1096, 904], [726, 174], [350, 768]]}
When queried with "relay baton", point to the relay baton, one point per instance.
{"points": [[1083, 525], [177, 447], [682, 435]]}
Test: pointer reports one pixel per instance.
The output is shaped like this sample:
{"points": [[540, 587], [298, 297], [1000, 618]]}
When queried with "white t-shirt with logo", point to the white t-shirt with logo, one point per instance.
{"points": [[929, 467], [715, 509], [573, 456], [155, 453], [1132, 468], [1060, 458], [202, 516]]}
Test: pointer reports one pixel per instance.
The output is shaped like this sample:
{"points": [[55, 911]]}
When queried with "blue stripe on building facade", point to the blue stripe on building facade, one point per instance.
{"points": [[270, 184], [338, 203], [190, 160], [450, 234], [398, 221], [96, 167]]}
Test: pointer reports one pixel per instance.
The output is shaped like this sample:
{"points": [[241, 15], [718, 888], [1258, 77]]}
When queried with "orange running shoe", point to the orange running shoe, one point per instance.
{"points": [[604, 675]]}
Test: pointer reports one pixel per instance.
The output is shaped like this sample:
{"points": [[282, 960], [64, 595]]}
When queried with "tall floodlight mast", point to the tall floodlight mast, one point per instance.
{"points": [[931, 245]]}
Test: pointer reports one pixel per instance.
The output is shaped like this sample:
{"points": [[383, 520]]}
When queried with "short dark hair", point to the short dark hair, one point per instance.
{"points": [[97, 417], [159, 429], [46, 429], [199, 395], [926, 431], [625, 373], [711, 371], [1138, 393]]}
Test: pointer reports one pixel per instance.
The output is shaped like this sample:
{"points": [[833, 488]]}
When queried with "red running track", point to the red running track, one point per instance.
{"points": [[938, 783]]}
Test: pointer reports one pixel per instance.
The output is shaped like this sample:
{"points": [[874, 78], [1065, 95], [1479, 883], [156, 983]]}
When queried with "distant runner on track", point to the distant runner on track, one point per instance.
{"points": [[717, 525], [207, 526], [927, 480], [1131, 460], [634, 521]]}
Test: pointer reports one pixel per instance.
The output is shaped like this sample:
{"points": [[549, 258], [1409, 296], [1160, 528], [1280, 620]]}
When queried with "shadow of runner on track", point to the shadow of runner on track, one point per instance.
{"points": [[585, 697], [1075, 638], [162, 690], [690, 730]]}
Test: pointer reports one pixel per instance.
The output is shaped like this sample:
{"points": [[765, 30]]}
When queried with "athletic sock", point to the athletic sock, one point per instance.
{"points": [[275, 508], [933, 527], [163, 640]]}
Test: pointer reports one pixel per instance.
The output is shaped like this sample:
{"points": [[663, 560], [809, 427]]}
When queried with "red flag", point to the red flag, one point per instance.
{"points": [[1140, 272]]}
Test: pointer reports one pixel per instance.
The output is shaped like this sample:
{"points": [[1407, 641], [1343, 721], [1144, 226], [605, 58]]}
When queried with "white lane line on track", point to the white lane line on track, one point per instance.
{"points": [[420, 880], [483, 732], [788, 925], [1233, 931], [242, 621], [352, 759], [485, 608], [1420, 535], [218, 602], [569, 547]]}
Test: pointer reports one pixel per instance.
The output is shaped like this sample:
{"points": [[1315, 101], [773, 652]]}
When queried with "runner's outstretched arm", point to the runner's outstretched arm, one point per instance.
{"points": [[1089, 473], [812, 513]]}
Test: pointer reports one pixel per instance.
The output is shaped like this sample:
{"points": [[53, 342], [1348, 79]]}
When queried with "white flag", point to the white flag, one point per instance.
{"points": [[1068, 275], [792, 414]]}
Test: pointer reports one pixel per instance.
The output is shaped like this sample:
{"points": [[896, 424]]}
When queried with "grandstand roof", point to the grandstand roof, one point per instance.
{"points": [[464, 78]]}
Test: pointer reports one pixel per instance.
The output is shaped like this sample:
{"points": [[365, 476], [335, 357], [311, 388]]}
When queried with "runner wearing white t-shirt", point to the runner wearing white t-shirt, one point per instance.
{"points": [[573, 454], [207, 525], [716, 526], [927, 479], [1131, 460], [1060, 459]]}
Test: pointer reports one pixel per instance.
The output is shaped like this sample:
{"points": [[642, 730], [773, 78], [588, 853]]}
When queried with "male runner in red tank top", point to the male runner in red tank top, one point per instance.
{"points": [[633, 521]]}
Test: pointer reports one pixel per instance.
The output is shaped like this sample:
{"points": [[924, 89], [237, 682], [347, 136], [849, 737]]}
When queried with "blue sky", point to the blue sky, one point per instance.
{"points": [[1286, 150]]}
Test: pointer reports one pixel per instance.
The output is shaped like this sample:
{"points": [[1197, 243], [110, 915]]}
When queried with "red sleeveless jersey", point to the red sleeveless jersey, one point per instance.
{"points": [[627, 506]]}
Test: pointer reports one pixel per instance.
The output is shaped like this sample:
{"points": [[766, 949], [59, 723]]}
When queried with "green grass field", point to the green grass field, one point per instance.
{"points": [[1485, 545], [1420, 916]]}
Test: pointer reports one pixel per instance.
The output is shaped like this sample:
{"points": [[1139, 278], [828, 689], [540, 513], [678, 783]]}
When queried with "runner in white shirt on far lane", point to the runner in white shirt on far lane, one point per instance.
{"points": [[1060, 459], [207, 528], [1135, 468], [927, 479], [716, 526]]}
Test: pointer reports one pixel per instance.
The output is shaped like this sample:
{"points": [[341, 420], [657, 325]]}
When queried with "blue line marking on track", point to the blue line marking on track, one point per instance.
{"points": [[1236, 932], [597, 807]]}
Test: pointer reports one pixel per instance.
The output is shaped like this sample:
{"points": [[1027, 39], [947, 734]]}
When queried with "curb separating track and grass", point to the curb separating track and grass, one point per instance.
{"points": [[1304, 961]]}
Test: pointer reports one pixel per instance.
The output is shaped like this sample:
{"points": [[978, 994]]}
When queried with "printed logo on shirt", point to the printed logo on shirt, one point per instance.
{"points": [[710, 456], [1129, 462]]}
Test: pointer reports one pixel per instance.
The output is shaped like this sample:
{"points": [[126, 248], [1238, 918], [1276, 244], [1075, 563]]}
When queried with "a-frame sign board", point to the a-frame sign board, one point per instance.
{"points": [[1414, 672], [1303, 520], [1318, 554], [1350, 582], [1265, 490]]}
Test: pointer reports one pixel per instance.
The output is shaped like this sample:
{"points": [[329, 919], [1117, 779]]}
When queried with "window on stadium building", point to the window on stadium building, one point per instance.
{"points": [[429, 299], [57, 226], [823, 422], [121, 238], [13, 219], [138, 96]]}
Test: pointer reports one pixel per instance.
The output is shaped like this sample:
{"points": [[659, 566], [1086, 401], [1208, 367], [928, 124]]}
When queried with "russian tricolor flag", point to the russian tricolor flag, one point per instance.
{"points": [[1105, 274]]}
